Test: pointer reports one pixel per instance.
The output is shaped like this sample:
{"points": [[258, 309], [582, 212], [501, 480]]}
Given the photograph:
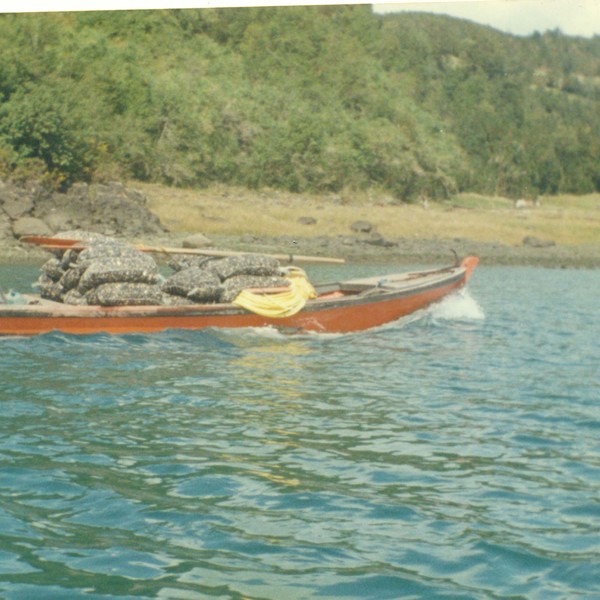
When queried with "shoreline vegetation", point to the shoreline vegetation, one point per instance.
{"points": [[558, 232]]}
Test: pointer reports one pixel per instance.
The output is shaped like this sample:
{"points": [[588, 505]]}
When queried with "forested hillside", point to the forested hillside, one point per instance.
{"points": [[303, 99]]}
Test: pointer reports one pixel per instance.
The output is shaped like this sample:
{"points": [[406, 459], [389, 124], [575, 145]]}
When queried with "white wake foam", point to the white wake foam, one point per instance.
{"points": [[460, 306]]}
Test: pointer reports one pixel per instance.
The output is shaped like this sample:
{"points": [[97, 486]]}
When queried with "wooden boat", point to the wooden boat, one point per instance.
{"points": [[345, 306]]}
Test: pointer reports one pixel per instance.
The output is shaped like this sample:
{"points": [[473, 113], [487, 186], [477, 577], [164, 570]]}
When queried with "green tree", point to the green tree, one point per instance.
{"points": [[37, 124]]}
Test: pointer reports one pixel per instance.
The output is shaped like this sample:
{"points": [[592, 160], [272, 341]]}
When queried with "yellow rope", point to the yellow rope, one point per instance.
{"points": [[282, 304]]}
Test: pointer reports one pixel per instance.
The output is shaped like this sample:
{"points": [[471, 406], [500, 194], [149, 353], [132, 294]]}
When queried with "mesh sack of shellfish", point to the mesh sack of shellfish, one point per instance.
{"points": [[180, 263], [245, 264], [104, 253], [174, 300], [125, 294], [106, 249], [79, 235], [53, 269], [234, 285], [49, 289], [196, 283], [125, 269], [73, 297]]}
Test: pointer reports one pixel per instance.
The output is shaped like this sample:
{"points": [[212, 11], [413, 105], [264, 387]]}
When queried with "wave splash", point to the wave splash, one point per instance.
{"points": [[458, 307]]}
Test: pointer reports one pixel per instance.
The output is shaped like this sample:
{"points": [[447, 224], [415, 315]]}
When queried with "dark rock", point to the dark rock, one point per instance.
{"points": [[362, 226], [534, 242], [110, 209], [376, 239], [307, 221]]}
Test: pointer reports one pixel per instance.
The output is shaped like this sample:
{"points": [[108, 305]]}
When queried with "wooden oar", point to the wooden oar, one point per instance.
{"points": [[51, 243]]}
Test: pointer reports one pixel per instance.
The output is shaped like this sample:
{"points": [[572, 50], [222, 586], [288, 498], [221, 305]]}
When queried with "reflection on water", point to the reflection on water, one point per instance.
{"points": [[274, 369]]}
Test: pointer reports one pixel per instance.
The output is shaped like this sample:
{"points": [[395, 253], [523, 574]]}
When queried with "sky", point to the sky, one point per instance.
{"points": [[519, 17]]}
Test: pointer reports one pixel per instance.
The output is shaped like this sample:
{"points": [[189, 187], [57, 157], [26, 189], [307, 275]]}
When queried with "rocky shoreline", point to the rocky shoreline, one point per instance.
{"points": [[357, 249], [114, 210]]}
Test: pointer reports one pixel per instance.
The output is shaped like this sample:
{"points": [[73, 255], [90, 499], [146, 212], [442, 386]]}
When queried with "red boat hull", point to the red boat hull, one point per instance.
{"points": [[335, 312]]}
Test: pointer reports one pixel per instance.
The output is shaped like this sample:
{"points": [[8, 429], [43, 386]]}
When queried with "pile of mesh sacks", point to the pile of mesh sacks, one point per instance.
{"points": [[111, 273]]}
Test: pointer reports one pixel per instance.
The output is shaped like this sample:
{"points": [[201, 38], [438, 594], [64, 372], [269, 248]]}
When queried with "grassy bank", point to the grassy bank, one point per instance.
{"points": [[219, 210]]}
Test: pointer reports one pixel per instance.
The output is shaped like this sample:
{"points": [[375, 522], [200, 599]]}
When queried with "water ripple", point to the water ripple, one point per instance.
{"points": [[452, 455]]}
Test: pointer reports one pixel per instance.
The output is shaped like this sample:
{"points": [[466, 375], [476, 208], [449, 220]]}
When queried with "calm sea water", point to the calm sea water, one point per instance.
{"points": [[453, 455]]}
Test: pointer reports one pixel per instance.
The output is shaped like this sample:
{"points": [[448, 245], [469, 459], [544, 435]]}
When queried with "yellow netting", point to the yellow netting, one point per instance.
{"points": [[281, 304]]}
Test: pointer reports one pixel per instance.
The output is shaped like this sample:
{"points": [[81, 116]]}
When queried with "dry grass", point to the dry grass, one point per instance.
{"points": [[230, 211]]}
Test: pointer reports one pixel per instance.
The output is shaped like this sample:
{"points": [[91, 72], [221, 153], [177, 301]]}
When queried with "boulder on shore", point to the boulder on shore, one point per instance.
{"points": [[535, 242], [362, 226], [30, 226], [110, 209]]}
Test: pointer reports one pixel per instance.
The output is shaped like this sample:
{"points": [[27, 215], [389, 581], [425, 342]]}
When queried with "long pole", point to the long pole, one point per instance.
{"points": [[52, 243]]}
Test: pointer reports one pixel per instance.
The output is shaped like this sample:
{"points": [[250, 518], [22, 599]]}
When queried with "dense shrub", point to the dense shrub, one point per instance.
{"points": [[301, 98]]}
